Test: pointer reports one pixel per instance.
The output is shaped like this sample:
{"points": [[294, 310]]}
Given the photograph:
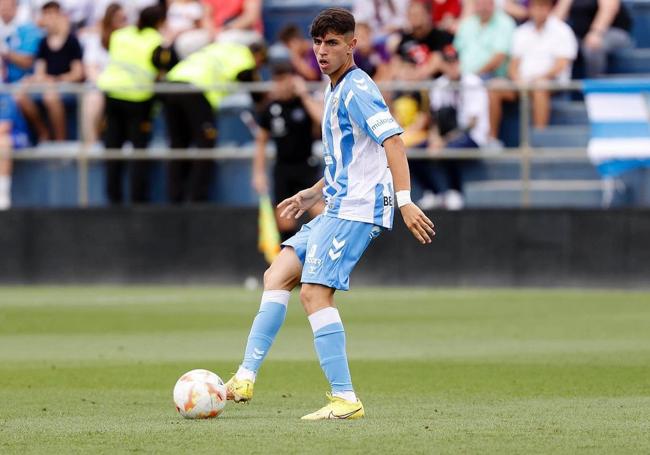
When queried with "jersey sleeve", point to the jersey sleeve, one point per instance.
{"points": [[368, 110]]}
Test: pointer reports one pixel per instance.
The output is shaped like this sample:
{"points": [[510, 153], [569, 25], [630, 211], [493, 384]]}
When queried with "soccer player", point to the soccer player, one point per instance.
{"points": [[364, 162]]}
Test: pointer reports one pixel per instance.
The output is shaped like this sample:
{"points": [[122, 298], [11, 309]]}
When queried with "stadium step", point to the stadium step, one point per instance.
{"points": [[560, 136], [564, 112], [543, 193], [630, 61]]}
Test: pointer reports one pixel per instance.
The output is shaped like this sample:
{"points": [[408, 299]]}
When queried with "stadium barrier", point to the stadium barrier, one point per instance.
{"points": [[200, 245], [84, 153]]}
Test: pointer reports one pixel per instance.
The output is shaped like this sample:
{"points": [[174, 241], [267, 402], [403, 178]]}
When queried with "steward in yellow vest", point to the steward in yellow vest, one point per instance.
{"points": [[190, 116], [128, 83]]}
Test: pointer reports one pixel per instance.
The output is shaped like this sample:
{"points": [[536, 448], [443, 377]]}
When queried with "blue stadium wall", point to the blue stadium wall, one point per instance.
{"points": [[218, 246]]}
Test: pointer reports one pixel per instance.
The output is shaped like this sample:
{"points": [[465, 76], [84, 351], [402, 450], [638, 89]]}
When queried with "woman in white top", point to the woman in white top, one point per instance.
{"points": [[95, 43]]}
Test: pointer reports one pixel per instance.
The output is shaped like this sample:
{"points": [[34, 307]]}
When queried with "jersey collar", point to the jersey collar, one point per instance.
{"points": [[349, 70]]}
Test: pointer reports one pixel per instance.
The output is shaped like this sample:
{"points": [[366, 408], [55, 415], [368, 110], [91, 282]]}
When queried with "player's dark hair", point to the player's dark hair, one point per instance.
{"points": [[51, 5], [332, 20], [550, 3], [151, 17]]}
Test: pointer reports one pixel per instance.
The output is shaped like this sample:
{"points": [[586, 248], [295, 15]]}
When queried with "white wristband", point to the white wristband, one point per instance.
{"points": [[403, 197]]}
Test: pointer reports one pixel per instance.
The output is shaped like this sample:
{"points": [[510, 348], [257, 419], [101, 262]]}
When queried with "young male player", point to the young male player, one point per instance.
{"points": [[364, 162]]}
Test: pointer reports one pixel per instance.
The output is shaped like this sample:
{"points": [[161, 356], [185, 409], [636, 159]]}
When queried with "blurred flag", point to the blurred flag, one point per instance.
{"points": [[269, 237], [620, 124]]}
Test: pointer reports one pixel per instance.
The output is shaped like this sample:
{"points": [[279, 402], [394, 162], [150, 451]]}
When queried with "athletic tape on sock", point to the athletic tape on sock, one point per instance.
{"points": [[280, 296], [321, 318]]}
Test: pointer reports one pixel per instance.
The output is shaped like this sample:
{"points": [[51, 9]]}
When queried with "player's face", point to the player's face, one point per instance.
{"points": [[333, 51]]}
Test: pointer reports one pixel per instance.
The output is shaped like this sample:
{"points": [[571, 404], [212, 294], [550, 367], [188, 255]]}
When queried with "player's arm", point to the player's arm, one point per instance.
{"points": [[260, 182], [417, 222], [298, 204]]}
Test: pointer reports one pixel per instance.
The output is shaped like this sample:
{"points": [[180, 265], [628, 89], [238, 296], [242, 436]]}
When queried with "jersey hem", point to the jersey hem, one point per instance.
{"points": [[358, 219]]}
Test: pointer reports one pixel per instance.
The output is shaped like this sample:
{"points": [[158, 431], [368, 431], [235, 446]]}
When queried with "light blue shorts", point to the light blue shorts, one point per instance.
{"points": [[329, 248]]}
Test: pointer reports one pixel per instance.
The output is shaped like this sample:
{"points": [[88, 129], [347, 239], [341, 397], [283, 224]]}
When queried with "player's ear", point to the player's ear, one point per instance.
{"points": [[352, 45]]}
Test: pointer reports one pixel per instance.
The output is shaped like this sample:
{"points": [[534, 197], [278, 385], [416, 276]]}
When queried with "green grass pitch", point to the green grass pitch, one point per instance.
{"points": [[440, 371]]}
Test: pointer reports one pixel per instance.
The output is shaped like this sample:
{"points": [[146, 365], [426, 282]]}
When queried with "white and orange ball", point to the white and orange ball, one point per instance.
{"points": [[200, 394]]}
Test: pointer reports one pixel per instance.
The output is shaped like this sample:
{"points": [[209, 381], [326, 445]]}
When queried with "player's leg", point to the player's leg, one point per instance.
{"points": [[333, 250], [279, 279]]}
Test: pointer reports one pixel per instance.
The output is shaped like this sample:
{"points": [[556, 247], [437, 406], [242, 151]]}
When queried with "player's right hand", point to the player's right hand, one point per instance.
{"points": [[299, 203], [418, 223]]}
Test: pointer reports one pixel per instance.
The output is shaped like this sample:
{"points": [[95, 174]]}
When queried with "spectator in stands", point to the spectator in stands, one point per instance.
{"points": [[371, 57], [445, 14], [385, 17], [290, 119], [127, 83], [460, 120], [58, 59], [417, 56], [13, 135], [602, 27], [95, 59], [182, 16], [543, 49], [300, 52], [191, 116], [484, 39], [236, 20], [18, 42]]}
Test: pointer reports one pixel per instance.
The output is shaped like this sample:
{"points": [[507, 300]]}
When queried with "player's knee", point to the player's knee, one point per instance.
{"points": [[276, 280]]}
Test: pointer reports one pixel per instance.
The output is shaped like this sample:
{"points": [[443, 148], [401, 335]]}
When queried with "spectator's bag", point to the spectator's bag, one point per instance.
{"points": [[446, 119]]}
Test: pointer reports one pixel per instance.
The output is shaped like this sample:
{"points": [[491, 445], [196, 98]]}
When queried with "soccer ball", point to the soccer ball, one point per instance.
{"points": [[200, 394]]}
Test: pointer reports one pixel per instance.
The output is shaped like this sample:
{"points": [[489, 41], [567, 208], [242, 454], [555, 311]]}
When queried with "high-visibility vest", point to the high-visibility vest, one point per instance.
{"points": [[130, 51], [213, 64]]}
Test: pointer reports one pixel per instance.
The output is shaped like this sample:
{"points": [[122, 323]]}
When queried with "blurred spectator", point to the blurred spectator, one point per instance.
{"points": [[13, 135], [417, 56], [384, 17], [190, 117], [289, 119], [236, 20], [183, 15], [127, 83], [543, 49], [371, 57], [445, 14], [95, 45], [300, 52], [602, 27], [18, 42], [483, 40], [459, 108], [132, 8], [58, 59]]}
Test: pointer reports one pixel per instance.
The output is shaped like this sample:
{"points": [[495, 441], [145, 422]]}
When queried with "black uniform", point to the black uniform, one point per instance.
{"points": [[290, 126]]}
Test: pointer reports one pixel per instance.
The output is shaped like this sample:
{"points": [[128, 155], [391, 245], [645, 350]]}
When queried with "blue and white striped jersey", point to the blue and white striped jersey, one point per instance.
{"points": [[356, 122]]}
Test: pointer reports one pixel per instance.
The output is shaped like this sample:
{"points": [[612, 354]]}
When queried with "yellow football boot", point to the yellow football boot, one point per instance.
{"points": [[338, 408], [239, 391]]}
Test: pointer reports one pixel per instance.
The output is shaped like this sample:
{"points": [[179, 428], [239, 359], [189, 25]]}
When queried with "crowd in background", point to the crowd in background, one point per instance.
{"points": [[459, 45]]}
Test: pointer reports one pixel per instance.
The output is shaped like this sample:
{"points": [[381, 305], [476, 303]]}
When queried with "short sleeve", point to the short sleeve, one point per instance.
{"points": [[264, 118], [41, 52], [368, 109], [30, 39], [518, 43], [503, 39], [567, 45], [75, 49]]}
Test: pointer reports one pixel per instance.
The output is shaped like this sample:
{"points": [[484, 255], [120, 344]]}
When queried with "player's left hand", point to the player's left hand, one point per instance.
{"points": [[418, 223]]}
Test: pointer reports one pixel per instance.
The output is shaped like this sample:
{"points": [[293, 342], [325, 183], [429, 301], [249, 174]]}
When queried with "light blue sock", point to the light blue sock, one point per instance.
{"points": [[265, 327], [329, 341]]}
